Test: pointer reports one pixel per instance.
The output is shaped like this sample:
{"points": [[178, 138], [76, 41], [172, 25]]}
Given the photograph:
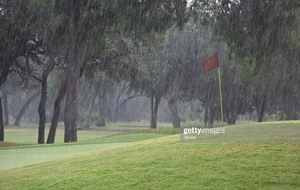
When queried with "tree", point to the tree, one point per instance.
{"points": [[25, 106], [185, 52], [42, 105], [236, 93], [38, 64], [14, 33], [152, 84], [5, 105], [91, 101], [260, 36], [56, 112], [257, 30], [120, 90], [3, 78], [86, 18]]}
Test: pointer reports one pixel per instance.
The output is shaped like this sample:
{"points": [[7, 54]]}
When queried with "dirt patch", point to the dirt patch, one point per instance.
{"points": [[8, 144]]}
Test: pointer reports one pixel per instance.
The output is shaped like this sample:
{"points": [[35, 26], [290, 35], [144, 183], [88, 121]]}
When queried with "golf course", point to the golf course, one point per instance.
{"points": [[246, 156]]}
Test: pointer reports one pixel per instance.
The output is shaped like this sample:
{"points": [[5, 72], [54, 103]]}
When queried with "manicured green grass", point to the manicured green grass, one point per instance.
{"points": [[15, 155], [125, 137], [262, 156], [167, 163], [29, 135], [284, 131], [25, 155]]}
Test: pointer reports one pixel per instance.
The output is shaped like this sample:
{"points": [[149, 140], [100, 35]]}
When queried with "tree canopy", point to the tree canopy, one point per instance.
{"points": [[158, 46]]}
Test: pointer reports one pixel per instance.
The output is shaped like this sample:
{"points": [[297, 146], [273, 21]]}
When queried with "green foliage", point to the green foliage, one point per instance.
{"points": [[201, 115], [278, 116], [15, 29], [261, 37], [256, 29]]}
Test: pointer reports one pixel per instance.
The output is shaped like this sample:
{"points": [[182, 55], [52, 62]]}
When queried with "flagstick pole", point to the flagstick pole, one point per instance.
{"points": [[221, 105]]}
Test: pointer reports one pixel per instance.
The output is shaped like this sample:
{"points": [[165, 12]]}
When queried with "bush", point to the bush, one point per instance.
{"points": [[278, 116]]}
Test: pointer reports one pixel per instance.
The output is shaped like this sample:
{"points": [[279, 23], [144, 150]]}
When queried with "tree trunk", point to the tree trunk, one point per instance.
{"points": [[25, 106], [1, 121], [73, 72], [233, 118], [5, 106], [70, 114], [116, 112], [172, 104], [261, 113], [56, 111], [211, 114], [205, 114], [102, 109], [42, 105], [154, 110], [86, 123], [3, 78], [261, 108], [42, 113]]}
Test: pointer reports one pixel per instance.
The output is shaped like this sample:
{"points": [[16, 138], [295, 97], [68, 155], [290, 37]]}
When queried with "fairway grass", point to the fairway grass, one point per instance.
{"points": [[21, 156], [164, 162], [29, 136], [287, 131]]}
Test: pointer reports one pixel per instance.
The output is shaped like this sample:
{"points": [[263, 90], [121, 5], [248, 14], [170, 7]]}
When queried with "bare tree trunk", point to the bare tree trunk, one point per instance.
{"points": [[86, 123], [56, 112], [102, 109], [261, 112], [3, 78], [25, 106], [172, 103], [154, 109], [205, 114], [260, 107], [211, 114], [73, 72], [174, 112], [5, 107], [1, 122], [42, 113], [42, 105], [122, 90]]}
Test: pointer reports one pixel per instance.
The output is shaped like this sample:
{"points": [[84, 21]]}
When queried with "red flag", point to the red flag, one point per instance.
{"points": [[211, 63]]}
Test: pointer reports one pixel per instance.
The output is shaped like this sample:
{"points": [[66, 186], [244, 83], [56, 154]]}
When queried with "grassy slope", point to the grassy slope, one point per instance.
{"points": [[167, 163], [284, 131], [15, 155], [25, 155]]}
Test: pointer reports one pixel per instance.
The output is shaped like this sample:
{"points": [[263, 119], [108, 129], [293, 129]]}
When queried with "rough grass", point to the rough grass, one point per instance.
{"points": [[284, 131], [168, 163]]}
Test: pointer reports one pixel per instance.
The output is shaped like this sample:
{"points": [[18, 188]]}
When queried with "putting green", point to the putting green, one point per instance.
{"points": [[21, 156]]}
